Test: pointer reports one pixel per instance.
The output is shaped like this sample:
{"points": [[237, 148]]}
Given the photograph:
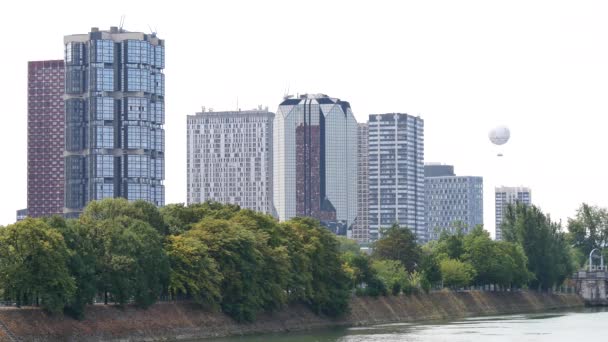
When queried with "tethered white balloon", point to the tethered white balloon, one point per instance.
{"points": [[499, 136]]}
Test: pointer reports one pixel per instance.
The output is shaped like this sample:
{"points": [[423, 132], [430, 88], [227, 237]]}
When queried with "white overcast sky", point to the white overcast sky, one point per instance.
{"points": [[540, 67]]}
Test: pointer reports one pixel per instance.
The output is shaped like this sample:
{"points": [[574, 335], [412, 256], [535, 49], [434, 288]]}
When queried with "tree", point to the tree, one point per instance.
{"points": [[318, 277], [544, 244], [392, 274], [81, 263], [130, 260], [456, 273], [180, 218], [429, 268], [452, 244], [348, 245], [398, 243], [34, 265], [113, 208], [193, 271], [235, 251], [589, 229]]}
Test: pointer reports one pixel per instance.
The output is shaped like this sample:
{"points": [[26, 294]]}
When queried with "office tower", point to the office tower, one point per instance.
{"points": [[115, 111], [230, 158], [315, 160], [21, 214], [45, 138], [451, 200], [361, 226], [396, 174], [508, 195]]}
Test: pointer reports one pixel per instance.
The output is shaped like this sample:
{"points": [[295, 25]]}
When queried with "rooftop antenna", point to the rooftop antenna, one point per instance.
{"points": [[122, 22]]}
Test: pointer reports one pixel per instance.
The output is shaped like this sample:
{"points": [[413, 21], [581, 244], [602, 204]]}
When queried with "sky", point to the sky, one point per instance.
{"points": [[539, 67]]}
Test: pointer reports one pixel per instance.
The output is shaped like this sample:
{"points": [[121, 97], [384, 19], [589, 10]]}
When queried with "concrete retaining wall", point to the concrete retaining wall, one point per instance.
{"points": [[183, 321]]}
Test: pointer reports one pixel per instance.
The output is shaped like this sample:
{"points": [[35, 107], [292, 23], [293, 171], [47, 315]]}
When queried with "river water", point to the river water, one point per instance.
{"points": [[577, 326]]}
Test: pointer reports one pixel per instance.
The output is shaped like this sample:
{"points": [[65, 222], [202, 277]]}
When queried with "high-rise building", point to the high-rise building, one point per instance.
{"points": [[114, 116], [396, 173], [451, 200], [315, 160], [361, 226], [508, 195], [21, 214], [230, 158], [45, 138]]}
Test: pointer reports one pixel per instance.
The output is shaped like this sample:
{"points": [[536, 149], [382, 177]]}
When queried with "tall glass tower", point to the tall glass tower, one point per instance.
{"points": [[396, 174], [114, 116], [315, 161]]}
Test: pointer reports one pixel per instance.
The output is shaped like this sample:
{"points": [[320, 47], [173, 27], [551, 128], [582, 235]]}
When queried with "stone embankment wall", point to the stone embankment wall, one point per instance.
{"points": [[183, 321]]}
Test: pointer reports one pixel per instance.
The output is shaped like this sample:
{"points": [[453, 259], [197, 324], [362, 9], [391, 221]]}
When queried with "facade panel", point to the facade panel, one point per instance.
{"points": [[396, 174], [452, 201], [45, 138], [230, 158]]}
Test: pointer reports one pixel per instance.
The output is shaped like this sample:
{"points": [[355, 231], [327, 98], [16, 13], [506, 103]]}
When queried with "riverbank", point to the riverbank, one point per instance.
{"points": [[183, 321]]}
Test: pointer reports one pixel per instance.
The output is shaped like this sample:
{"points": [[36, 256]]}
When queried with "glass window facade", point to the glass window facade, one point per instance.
{"points": [[104, 167], [102, 51], [138, 137], [102, 108], [315, 161], [453, 201], [102, 79], [104, 137], [115, 87]]}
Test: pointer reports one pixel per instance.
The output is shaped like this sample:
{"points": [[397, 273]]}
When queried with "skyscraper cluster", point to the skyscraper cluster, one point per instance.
{"points": [[96, 130], [355, 178], [95, 123]]}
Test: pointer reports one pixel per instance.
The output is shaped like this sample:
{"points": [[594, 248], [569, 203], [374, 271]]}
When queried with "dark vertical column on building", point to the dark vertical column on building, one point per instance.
{"points": [[45, 138]]}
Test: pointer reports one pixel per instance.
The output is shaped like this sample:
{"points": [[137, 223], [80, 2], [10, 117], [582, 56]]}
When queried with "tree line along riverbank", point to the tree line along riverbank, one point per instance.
{"points": [[243, 264]]}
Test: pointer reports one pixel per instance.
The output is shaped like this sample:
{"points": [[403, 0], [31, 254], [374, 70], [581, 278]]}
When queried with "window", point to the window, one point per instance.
{"points": [[104, 167], [104, 190], [104, 137], [102, 79], [139, 52], [138, 166], [103, 107], [102, 51], [136, 108], [138, 79], [136, 191], [138, 137]]}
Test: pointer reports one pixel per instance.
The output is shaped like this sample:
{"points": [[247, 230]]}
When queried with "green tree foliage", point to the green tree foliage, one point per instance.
{"points": [[451, 245], [392, 274], [130, 260], [495, 262], [544, 244], [456, 273], [363, 276], [318, 277], [398, 243], [430, 270], [34, 265], [237, 254], [81, 263], [180, 218], [588, 230], [193, 271], [348, 245]]}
